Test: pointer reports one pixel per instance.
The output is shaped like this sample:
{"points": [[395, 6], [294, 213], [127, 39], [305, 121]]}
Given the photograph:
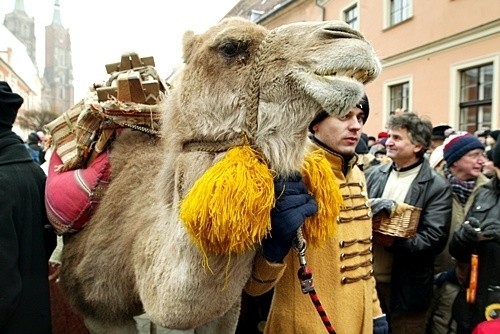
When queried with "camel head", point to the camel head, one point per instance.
{"points": [[241, 81]]}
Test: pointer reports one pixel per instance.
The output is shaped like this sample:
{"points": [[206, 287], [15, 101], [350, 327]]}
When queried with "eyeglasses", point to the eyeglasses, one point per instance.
{"points": [[475, 154]]}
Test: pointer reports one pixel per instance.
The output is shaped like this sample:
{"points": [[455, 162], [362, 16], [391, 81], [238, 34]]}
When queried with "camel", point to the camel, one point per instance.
{"points": [[240, 83]]}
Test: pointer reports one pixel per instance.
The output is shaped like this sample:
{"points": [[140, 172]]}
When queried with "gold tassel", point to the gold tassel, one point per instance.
{"points": [[227, 209], [321, 182]]}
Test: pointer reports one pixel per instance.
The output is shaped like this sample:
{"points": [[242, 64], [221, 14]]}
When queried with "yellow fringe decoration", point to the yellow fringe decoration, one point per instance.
{"points": [[317, 174], [227, 209]]}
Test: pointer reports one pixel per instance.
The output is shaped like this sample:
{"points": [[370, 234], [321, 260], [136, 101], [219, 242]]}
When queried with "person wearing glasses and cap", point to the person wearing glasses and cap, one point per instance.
{"points": [[476, 247], [464, 160]]}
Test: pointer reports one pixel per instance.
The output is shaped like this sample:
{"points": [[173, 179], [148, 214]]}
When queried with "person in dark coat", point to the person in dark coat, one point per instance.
{"points": [[403, 267], [479, 235], [33, 146], [26, 240]]}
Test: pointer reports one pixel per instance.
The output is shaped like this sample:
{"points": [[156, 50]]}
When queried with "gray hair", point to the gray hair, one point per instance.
{"points": [[419, 130]]}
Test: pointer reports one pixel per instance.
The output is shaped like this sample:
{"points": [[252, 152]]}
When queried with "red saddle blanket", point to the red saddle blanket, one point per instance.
{"points": [[72, 196]]}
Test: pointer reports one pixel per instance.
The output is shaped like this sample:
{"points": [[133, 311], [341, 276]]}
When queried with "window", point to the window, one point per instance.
{"points": [[399, 96], [255, 15], [59, 57], [400, 10], [476, 86], [351, 16]]}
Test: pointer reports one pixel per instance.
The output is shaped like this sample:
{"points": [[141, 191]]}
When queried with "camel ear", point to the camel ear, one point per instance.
{"points": [[188, 43]]}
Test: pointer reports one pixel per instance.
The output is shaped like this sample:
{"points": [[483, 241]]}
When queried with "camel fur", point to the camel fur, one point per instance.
{"points": [[240, 83]]}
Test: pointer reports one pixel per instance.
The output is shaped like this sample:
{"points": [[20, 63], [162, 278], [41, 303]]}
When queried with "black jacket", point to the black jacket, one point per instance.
{"points": [[486, 205], [25, 242], [413, 261]]}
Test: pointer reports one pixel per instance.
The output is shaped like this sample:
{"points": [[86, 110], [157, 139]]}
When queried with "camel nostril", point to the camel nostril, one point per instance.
{"points": [[342, 31]]}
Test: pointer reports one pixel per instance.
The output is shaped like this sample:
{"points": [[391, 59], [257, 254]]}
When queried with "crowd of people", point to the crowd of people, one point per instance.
{"points": [[426, 283], [434, 267]]}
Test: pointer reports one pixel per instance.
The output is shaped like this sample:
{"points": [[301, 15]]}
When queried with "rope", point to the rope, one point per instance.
{"points": [[252, 102], [212, 146], [306, 281]]}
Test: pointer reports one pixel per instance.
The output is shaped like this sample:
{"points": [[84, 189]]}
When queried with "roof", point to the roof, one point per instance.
{"points": [[255, 10], [20, 62]]}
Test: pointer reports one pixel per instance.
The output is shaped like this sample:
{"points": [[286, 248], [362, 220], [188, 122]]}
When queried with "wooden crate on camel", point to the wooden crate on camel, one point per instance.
{"points": [[79, 168]]}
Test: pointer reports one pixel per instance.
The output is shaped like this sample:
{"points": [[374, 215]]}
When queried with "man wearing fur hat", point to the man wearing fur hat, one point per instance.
{"points": [[464, 157], [404, 265], [25, 242], [342, 266], [479, 235]]}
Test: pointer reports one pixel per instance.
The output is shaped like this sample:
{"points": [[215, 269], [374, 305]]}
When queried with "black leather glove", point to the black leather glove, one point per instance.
{"points": [[469, 231], [382, 205], [490, 229], [293, 205], [380, 325]]}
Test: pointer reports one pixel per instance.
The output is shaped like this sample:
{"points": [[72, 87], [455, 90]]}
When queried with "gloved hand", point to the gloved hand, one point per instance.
{"points": [[490, 229], [293, 205], [380, 325], [382, 205], [445, 276], [469, 231]]}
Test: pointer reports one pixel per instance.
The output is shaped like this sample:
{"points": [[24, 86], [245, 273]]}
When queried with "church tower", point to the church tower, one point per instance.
{"points": [[58, 74], [23, 27]]}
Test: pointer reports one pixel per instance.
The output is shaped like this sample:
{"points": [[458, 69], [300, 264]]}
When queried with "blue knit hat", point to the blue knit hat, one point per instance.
{"points": [[458, 146]]}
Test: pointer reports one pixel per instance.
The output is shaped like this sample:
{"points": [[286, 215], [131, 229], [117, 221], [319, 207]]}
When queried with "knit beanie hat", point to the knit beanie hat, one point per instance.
{"points": [[495, 155], [33, 138], [363, 105], [382, 135], [457, 146], [9, 105], [361, 147]]}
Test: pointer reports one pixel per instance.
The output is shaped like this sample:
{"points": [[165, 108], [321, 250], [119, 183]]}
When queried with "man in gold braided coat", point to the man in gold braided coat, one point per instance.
{"points": [[342, 266]]}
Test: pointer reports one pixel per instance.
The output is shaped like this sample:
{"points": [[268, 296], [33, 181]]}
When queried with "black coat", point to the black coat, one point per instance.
{"points": [[25, 241], [486, 205], [413, 259]]}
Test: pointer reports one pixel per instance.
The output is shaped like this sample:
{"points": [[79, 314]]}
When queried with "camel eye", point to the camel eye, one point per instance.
{"points": [[232, 48]]}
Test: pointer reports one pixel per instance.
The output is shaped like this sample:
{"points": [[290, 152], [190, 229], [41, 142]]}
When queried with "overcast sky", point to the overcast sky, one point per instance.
{"points": [[101, 30]]}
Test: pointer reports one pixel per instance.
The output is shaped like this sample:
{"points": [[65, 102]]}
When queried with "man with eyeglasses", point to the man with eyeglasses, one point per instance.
{"points": [[464, 156]]}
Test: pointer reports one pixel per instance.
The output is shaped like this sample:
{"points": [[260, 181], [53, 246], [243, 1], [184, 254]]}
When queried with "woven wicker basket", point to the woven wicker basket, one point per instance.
{"points": [[403, 223]]}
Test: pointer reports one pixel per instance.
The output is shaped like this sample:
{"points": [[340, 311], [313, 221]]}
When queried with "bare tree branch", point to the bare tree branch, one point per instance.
{"points": [[35, 120]]}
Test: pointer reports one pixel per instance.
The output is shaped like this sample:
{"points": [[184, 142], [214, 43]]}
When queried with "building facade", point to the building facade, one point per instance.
{"points": [[18, 69], [23, 27], [441, 59], [18, 66], [58, 74]]}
